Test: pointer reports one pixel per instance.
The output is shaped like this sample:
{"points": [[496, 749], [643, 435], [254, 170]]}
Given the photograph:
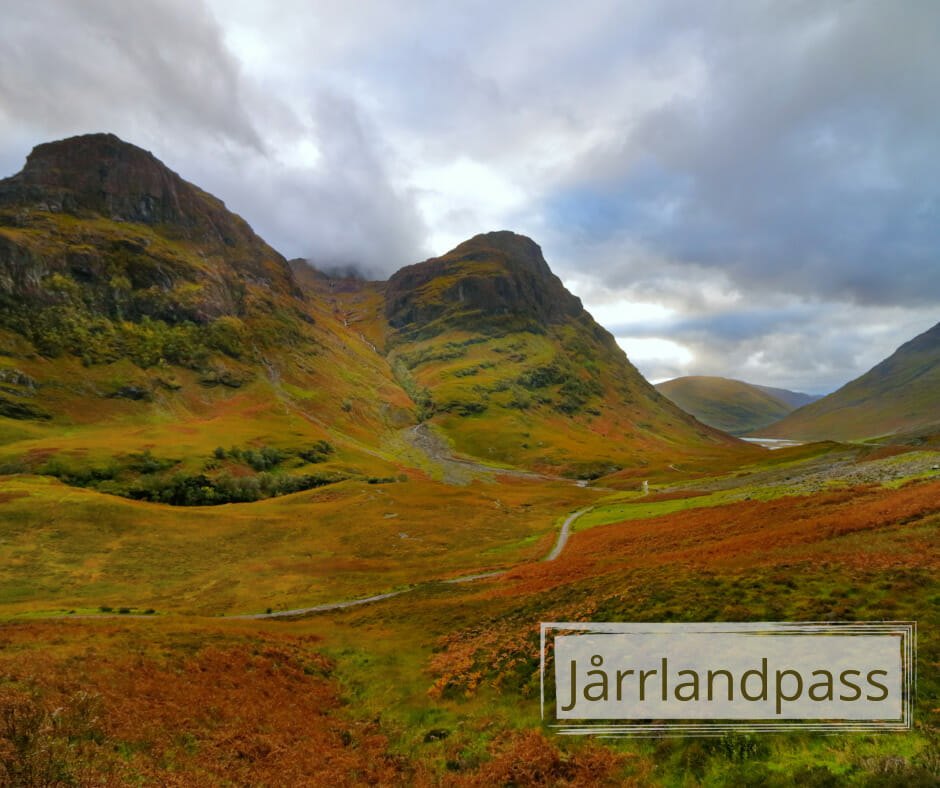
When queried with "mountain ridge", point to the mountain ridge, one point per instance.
{"points": [[898, 395], [102, 174], [795, 399], [730, 405], [113, 219], [173, 308], [486, 334]]}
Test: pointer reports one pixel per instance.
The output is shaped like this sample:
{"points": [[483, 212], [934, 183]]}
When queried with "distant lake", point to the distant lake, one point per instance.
{"points": [[773, 443]]}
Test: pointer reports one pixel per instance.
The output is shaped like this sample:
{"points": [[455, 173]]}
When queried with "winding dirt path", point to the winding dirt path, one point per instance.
{"points": [[560, 543], [319, 608], [563, 533]]}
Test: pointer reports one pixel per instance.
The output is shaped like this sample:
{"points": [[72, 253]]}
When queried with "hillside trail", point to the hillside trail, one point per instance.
{"points": [[560, 544], [457, 470], [301, 611], [556, 551], [565, 528], [563, 533]]}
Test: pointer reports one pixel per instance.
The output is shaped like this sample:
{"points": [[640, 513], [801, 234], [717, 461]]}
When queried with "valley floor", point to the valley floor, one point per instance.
{"points": [[440, 685]]}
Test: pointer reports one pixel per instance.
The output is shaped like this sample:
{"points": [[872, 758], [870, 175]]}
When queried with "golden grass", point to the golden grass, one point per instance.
{"points": [[66, 548]]}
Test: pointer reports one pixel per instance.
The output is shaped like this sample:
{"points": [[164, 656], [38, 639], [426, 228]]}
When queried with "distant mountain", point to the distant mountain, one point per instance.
{"points": [[730, 405], [899, 395], [794, 399]]}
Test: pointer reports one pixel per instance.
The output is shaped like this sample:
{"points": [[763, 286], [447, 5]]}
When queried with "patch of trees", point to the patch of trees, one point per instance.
{"points": [[265, 458], [159, 327], [183, 489], [146, 477]]}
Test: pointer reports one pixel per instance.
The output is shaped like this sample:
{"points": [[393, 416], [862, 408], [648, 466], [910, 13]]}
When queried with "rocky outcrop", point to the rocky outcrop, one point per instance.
{"points": [[496, 278], [99, 175]]}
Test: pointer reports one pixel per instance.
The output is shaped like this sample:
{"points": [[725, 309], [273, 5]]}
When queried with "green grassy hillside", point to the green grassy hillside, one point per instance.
{"points": [[152, 346], [507, 362], [730, 405], [135, 308], [900, 395]]}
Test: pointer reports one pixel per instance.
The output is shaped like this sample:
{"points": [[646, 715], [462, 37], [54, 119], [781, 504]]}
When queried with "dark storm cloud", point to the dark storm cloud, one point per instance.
{"points": [[808, 162]]}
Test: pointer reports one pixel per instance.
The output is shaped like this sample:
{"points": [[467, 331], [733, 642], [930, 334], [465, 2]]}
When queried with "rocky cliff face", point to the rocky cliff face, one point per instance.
{"points": [[99, 174], [493, 279], [95, 220], [106, 254]]}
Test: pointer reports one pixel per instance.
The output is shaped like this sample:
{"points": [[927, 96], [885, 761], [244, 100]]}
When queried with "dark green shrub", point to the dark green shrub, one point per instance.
{"points": [[318, 452]]}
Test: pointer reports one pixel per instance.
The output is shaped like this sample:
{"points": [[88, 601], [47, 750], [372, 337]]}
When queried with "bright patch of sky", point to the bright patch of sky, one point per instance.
{"points": [[652, 352]]}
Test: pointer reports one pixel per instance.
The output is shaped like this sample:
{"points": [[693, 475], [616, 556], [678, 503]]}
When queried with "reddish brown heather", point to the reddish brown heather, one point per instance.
{"points": [[750, 533], [263, 712]]}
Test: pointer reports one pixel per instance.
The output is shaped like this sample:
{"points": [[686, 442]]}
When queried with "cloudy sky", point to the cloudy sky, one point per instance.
{"points": [[748, 189]]}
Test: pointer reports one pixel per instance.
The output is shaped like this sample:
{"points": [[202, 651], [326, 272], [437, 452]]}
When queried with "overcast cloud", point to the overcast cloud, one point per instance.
{"points": [[745, 189]]}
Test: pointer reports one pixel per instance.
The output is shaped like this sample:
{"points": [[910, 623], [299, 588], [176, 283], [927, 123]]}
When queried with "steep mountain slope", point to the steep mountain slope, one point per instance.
{"points": [[141, 314], [97, 237], [795, 399], [730, 405], [899, 395], [506, 361], [80, 207]]}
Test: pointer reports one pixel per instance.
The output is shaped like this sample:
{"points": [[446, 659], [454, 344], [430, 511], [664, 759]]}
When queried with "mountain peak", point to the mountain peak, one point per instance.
{"points": [[518, 248], [100, 173], [499, 278], [95, 177]]}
